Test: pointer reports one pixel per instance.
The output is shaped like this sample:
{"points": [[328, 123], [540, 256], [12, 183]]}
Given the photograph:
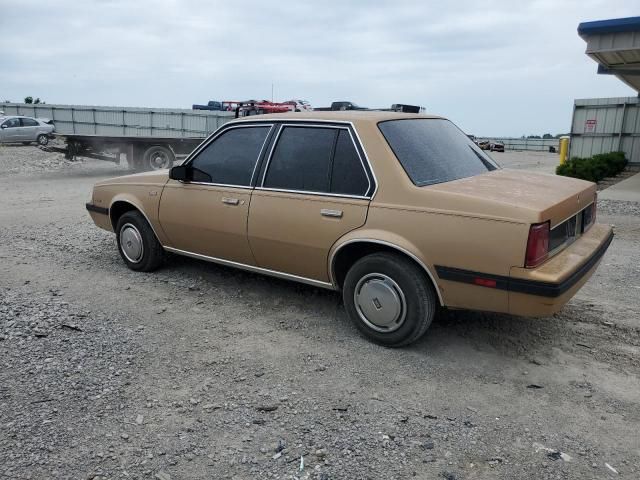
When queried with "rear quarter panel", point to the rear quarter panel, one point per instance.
{"points": [[478, 244]]}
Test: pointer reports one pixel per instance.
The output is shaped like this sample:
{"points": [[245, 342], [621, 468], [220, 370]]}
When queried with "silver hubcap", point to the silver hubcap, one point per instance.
{"points": [[131, 243], [380, 302], [159, 160]]}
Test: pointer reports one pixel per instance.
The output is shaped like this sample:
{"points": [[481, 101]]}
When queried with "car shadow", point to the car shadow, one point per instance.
{"points": [[505, 335]]}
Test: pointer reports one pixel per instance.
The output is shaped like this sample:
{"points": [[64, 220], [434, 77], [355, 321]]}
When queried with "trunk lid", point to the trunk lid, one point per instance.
{"points": [[524, 196]]}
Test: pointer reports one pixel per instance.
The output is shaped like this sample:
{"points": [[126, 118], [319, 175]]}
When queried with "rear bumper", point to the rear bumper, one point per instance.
{"points": [[546, 289]]}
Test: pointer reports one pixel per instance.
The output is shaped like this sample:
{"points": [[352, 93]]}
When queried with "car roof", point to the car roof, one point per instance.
{"points": [[355, 116]]}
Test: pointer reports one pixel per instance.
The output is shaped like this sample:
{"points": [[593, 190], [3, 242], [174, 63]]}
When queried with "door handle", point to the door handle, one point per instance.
{"points": [[325, 212], [230, 201]]}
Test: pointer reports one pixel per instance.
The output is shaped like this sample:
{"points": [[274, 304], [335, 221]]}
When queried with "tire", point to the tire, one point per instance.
{"points": [[137, 244], [389, 299], [42, 139], [158, 158]]}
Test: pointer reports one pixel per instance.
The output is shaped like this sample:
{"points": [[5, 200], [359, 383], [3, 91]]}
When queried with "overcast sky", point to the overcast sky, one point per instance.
{"points": [[496, 68]]}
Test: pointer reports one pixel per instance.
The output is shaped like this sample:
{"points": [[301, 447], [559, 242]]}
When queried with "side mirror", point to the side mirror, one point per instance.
{"points": [[182, 173], [4, 126]]}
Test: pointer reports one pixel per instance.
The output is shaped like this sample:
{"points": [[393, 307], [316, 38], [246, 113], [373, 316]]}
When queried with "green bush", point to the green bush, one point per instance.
{"points": [[593, 168]]}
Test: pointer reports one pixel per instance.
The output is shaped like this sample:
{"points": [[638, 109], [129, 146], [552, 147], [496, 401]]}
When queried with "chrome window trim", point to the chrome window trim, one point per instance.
{"points": [[373, 173], [337, 126], [388, 244], [317, 194], [223, 129], [252, 268], [223, 185], [268, 161], [364, 168]]}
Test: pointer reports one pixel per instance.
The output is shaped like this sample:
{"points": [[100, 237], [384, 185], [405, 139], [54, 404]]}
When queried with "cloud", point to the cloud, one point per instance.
{"points": [[496, 68]]}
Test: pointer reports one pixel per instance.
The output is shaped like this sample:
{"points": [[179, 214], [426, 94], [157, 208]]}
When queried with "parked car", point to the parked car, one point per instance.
{"points": [[402, 213], [340, 106], [495, 146], [300, 105], [18, 129], [211, 105]]}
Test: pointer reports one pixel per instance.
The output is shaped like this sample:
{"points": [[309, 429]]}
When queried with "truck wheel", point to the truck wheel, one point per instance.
{"points": [[137, 244], [158, 157], [389, 299], [43, 140]]}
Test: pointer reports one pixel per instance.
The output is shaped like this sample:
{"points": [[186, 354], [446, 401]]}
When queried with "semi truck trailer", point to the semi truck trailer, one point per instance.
{"points": [[149, 138]]}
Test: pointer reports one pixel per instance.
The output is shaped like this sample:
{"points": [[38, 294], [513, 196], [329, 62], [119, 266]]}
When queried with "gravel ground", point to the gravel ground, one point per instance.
{"points": [[198, 371]]}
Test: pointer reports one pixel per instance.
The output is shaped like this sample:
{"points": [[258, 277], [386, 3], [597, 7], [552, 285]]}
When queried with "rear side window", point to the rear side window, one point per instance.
{"points": [[348, 176], [302, 159], [29, 122], [434, 150], [230, 158]]}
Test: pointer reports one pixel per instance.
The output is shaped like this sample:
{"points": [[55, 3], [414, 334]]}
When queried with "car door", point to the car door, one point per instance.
{"points": [[208, 215], [10, 130], [29, 129], [315, 187]]}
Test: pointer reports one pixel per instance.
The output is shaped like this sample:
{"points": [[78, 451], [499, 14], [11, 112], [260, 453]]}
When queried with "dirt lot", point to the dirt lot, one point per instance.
{"points": [[198, 371]]}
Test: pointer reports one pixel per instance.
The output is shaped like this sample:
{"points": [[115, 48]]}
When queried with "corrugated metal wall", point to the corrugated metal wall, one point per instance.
{"points": [[123, 121], [602, 125]]}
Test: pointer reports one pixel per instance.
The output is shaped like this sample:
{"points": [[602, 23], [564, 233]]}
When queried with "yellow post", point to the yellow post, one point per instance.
{"points": [[564, 149]]}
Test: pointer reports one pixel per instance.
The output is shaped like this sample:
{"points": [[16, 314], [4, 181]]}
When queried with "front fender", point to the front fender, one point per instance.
{"points": [[145, 199]]}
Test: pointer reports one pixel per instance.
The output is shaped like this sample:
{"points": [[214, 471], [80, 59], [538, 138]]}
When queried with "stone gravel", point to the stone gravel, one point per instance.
{"points": [[618, 208], [198, 371]]}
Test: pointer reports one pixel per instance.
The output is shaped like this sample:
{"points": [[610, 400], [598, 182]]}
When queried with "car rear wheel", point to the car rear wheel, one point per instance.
{"points": [[43, 140], [389, 299], [137, 244]]}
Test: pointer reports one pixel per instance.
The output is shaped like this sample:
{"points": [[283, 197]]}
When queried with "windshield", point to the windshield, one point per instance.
{"points": [[433, 150]]}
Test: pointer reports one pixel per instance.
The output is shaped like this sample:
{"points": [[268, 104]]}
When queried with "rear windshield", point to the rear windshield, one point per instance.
{"points": [[434, 150]]}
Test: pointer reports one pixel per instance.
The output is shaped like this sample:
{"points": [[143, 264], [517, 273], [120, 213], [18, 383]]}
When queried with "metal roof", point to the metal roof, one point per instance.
{"points": [[615, 45]]}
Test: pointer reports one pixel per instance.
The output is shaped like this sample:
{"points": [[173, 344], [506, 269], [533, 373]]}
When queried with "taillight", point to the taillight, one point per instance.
{"points": [[537, 245]]}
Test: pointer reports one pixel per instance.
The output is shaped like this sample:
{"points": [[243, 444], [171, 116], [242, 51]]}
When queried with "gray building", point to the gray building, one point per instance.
{"points": [[601, 125]]}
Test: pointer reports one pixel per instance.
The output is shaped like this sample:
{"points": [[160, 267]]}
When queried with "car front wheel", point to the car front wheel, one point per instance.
{"points": [[389, 299], [137, 243], [43, 140]]}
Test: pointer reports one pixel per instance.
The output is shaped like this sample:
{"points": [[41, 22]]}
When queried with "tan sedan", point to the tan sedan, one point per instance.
{"points": [[402, 213]]}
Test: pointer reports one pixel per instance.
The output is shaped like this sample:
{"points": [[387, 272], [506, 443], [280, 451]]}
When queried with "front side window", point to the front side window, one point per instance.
{"points": [[302, 159], [29, 122], [12, 123], [230, 158], [433, 150]]}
